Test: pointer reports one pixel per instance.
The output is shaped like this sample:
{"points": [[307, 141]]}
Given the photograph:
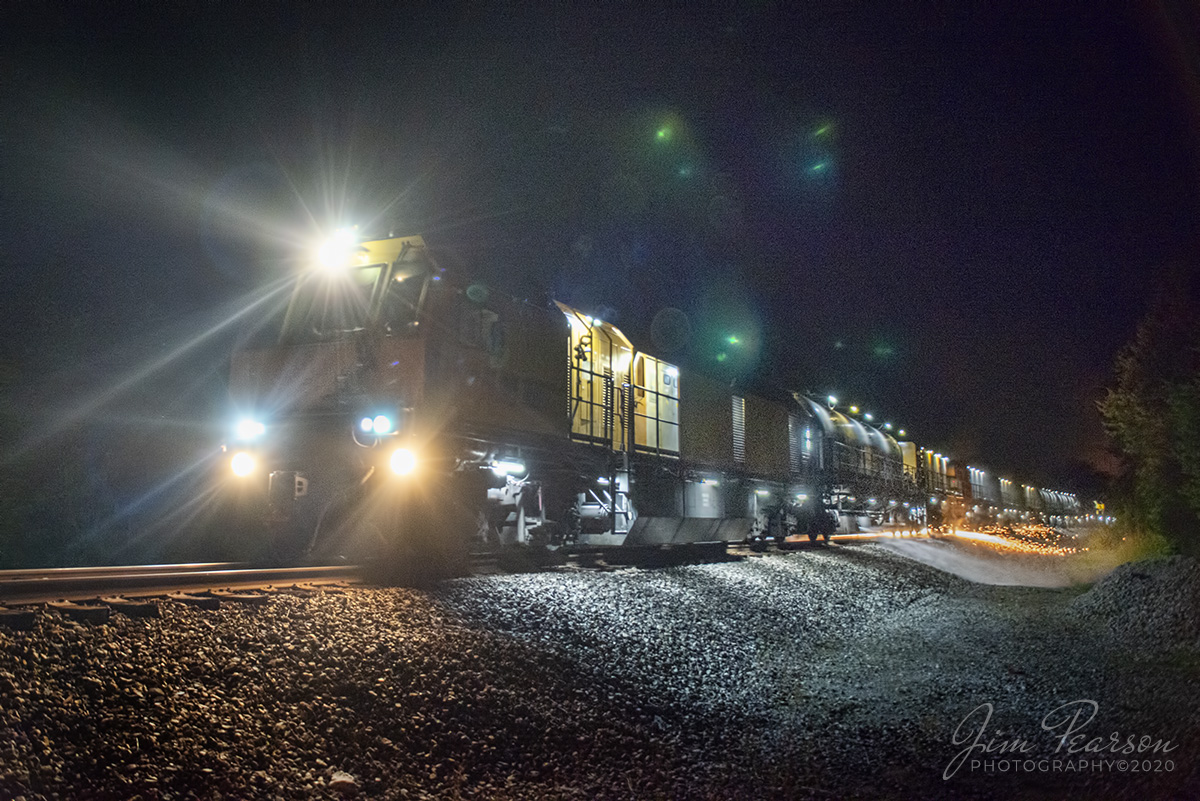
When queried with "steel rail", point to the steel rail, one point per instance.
{"points": [[116, 570], [156, 580]]}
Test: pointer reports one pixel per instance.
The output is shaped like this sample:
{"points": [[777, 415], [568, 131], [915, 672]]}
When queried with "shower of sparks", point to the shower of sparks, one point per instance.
{"points": [[1030, 539]]}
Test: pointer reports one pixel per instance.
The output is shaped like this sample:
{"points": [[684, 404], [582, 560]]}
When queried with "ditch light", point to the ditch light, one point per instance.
{"points": [[242, 464], [403, 461]]}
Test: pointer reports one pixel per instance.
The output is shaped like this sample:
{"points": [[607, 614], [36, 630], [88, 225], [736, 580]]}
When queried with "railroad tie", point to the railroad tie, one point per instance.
{"points": [[199, 601], [130, 607], [19, 619], [88, 613], [309, 590], [249, 598]]}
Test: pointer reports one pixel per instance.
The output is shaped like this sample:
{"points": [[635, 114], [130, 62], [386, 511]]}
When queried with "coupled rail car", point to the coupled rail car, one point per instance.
{"points": [[401, 403]]}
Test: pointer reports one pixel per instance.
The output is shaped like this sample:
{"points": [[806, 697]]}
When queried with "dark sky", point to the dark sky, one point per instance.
{"points": [[951, 216]]}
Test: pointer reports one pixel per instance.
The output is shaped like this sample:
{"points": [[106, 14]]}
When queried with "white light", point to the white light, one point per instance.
{"points": [[602, 481], [335, 252], [832, 401], [762, 493], [366, 423], [868, 417], [403, 461], [381, 424], [503, 467], [249, 429], [673, 372], [242, 464]]}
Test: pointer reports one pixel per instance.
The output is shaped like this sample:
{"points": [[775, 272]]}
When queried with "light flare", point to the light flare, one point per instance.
{"points": [[259, 305]]}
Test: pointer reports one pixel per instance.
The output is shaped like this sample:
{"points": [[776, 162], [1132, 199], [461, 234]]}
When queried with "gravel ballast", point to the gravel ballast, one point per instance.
{"points": [[830, 673]]}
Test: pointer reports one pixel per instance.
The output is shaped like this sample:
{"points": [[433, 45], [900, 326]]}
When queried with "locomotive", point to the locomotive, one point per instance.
{"points": [[402, 407]]}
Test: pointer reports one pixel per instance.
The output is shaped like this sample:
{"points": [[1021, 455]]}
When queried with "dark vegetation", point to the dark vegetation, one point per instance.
{"points": [[1152, 414]]}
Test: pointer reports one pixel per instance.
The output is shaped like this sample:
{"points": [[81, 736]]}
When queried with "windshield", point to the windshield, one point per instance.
{"points": [[326, 306]]}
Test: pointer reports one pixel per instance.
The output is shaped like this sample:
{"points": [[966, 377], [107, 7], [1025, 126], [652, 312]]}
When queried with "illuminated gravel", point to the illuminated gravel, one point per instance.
{"points": [[1148, 605], [837, 672]]}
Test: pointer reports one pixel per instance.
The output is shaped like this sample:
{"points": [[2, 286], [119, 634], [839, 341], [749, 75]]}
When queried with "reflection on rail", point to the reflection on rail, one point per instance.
{"points": [[46, 573]]}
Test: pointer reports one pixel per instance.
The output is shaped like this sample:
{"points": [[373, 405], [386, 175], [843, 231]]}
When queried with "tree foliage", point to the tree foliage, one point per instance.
{"points": [[1152, 414]]}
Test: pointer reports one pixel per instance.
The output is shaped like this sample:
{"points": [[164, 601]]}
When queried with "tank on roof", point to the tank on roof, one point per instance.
{"points": [[855, 433]]}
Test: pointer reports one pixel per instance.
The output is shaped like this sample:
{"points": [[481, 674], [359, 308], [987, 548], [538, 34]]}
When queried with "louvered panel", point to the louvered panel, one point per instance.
{"points": [[739, 429]]}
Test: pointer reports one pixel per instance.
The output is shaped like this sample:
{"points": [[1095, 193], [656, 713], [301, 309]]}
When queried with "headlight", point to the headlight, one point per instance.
{"points": [[503, 467], [404, 461], [243, 464], [334, 254], [249, 429], [379, 425]]}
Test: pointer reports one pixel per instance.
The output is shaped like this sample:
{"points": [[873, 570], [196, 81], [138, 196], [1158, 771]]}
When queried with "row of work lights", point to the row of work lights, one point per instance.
{"points": [[976, 474], [870, 418]]}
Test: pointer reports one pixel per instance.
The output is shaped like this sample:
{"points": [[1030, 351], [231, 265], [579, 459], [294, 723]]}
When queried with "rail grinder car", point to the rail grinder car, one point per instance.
{"points": [[402, 407], [399, 401]]}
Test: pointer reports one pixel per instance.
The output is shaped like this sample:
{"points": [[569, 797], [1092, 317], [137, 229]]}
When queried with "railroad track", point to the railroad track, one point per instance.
{"points": [[135, 582], [93, 593], [30, 586]]}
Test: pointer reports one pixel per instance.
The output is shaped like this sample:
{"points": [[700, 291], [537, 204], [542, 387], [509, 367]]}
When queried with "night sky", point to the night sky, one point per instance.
{"points": [[950, 217]]}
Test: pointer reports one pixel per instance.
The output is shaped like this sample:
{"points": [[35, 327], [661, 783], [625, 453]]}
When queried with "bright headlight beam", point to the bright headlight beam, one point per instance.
{"points": [[382, 424], [335, 252], [403, 461], [249, 429], [242, 464]]}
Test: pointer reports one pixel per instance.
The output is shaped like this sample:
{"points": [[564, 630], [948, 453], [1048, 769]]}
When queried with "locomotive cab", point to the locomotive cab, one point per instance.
{"points": [[330, 406]]}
